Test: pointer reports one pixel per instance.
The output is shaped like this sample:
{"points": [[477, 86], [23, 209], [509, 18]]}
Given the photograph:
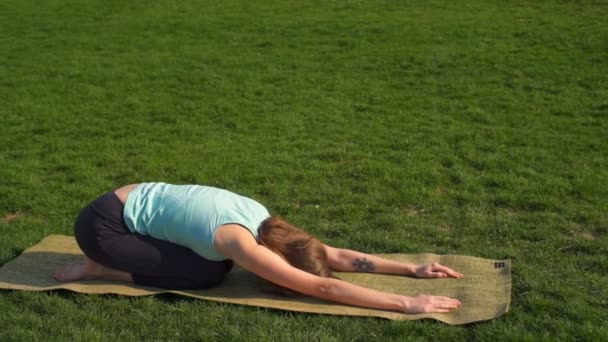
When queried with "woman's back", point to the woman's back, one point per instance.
{"points": [[189, 215]]}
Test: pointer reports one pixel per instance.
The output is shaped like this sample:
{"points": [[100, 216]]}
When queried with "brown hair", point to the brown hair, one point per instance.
{"points": [[297, 247]]}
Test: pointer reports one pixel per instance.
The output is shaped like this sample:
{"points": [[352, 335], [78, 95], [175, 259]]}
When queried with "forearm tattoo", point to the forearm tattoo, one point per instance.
{"points": [[363, 265]]}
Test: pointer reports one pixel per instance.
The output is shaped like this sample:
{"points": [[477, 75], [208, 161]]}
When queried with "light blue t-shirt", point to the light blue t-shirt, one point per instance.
{"points": [[189, 215]]}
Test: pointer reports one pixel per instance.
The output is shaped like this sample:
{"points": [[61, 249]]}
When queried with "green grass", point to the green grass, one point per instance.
{"points": [[474, 127]]}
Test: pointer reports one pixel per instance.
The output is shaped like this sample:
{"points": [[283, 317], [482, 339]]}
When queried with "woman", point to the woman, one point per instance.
{"points": [[186, 237]]}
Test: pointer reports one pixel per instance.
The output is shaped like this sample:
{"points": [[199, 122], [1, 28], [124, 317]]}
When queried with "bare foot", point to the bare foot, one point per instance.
{"points": [[87, 269], [84, 268]]}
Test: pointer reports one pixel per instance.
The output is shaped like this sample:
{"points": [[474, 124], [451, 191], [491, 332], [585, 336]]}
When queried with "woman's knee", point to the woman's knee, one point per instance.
{"points": [[83, 231], [98, 223]]}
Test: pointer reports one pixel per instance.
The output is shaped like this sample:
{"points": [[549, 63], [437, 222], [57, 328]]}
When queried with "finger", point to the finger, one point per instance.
{"points": [[450, 272], [437, 275], [442, 299], [450, 299], [447, 305], [439, 267], [454, 274], [442, 309]]}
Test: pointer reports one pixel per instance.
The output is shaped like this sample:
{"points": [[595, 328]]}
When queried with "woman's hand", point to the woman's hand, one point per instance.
{"points": [[435, 270], [426, 304]]}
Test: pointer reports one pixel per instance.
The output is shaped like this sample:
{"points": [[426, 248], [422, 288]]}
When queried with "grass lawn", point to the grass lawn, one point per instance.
{"points": [[470, 127]]}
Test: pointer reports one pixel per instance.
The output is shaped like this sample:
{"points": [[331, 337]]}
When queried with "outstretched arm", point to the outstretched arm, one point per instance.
{"points": [[239, 245], [347, 260]]}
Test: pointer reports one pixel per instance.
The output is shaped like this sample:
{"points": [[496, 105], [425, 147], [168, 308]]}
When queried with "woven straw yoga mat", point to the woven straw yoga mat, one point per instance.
{"points": [[485, 291]]}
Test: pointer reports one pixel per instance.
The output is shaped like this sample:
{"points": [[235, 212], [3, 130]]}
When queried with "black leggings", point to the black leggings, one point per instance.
{"points": [[104, 237]]}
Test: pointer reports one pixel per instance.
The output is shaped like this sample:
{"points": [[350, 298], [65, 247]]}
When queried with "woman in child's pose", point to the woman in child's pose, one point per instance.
{"points": [[187, 236]]}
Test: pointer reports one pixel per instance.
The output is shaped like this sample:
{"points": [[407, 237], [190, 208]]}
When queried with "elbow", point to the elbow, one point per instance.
{"points": [[325, 288]]}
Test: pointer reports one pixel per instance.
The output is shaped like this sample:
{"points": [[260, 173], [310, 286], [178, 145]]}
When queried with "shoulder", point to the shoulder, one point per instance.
{"points": [[229, 237], [237, 243]]}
